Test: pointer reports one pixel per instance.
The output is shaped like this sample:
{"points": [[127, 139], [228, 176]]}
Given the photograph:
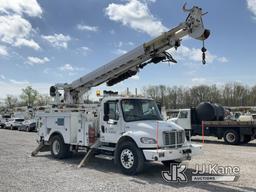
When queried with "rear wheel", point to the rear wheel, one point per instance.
{"points": [[130, 159], [231, 137], [59, 149]]}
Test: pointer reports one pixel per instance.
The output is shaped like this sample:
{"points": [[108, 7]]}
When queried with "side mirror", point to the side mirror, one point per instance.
{"points": [[105, 118]]}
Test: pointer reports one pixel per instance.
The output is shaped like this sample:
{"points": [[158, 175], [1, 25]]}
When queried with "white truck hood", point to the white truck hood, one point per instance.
{"points": [[152, 126], [151, 129]]}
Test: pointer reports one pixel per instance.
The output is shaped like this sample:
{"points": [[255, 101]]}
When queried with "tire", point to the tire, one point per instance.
{"points": [[130, 159], [59, 149], [231, 137], [168, 163]]}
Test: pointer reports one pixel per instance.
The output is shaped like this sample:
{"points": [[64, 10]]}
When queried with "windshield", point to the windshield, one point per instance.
{"points": [[140, 109]]}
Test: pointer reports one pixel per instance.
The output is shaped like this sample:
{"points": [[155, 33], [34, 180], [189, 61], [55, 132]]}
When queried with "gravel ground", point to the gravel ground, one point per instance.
{"points": [[20, 172]]}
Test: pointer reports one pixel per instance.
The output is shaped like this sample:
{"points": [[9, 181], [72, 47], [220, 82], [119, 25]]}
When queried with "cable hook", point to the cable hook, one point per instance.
{"points": [[203, 54]]}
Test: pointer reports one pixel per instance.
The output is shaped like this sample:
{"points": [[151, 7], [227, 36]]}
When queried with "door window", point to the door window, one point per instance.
{"points": [[183, 115], [113, 110]]}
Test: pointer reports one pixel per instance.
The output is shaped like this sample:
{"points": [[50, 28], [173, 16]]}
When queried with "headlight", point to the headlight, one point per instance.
{"points": [[147, 140]]}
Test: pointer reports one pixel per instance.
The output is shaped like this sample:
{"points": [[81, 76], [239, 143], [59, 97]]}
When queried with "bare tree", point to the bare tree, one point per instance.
{"points": [[231, 94], [43, 100], [29, 96], [11, 101]]}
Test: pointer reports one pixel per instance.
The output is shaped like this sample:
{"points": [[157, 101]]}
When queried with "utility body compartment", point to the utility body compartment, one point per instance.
{"points": [[71, 125]]}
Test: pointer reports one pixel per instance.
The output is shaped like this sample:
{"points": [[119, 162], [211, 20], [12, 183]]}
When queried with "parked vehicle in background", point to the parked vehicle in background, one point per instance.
{"points": [[14, 123], [28, 125], [208, 119], [3, 120], [248, 117]]}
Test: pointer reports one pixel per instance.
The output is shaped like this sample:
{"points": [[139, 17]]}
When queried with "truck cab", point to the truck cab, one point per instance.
{"points": [[129, 116], [183, 119]]}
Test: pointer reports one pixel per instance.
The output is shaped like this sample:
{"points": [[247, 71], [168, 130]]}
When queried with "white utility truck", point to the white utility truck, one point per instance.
{"points": [[128, 130]]}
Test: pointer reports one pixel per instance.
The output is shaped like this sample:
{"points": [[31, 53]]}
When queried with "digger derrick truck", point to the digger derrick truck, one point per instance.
{"points": [[128, 130]]}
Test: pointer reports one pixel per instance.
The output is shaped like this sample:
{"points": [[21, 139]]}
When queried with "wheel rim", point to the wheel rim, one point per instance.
{"points": [[56, 147], [230, 137], [127, 158]]}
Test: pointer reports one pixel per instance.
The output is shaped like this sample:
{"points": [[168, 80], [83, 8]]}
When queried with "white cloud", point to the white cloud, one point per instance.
{"points": [[87, 28], [3, 50], [112, 32], [193, 54], [120, 51], [222, 59], [130, 43], [28, 43], [19, 82], [85, 50], [136, 15], [13, 27], [122, 44], [57, 40], [29, 7], [198, 80], [2, 77], [67, 68], [37, 60], [251, 4]]}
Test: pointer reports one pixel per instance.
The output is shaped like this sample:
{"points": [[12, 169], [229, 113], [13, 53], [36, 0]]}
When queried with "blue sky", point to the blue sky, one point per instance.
{"points": [[45, 42]]}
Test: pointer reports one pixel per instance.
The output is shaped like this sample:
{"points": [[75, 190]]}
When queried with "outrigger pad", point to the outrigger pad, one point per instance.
{"points": [[40, 148], [86, 157]]}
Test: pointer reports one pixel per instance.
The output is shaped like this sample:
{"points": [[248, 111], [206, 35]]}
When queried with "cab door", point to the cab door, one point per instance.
{"points": [[110, 122], [184, 119]]}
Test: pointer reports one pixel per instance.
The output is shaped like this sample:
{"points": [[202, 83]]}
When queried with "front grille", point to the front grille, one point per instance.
{"points": [[174, 138]]}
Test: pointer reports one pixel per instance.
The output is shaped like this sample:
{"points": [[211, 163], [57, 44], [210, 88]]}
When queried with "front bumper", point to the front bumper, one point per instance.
{"points": [[182, 153]]}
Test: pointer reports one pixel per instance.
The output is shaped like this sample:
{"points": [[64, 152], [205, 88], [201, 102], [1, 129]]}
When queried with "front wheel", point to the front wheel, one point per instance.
{"points": [[59, 149], [231, 137], [130, 159]]}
